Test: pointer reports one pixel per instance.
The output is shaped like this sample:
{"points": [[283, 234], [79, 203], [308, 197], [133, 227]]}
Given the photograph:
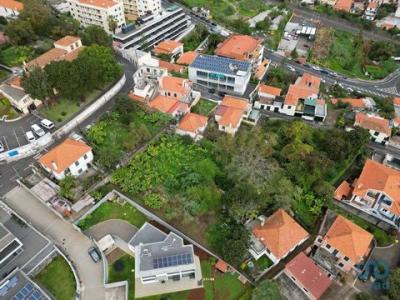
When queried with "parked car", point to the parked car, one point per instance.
{"points": [[316, 68], [37, 130], [94, 254], [291, 68], [1, 147], [29, 136], [47, 124]]}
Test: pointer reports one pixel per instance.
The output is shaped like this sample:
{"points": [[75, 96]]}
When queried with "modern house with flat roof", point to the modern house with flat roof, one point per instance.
{"points": [[221, 73], [168, 25], [163, 263], [10, 245]]}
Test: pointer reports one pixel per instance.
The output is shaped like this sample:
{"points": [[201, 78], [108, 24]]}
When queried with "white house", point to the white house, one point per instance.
{"points": [[10, 9], [230, 113], [378, 128], [192, 125], [18, 98], [71, 157]]}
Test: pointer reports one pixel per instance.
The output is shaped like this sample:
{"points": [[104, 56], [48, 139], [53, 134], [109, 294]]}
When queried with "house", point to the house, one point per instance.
{"points": [[378, 127], [178, 88], [396, 105], [223, 74], [66, 48], [71, 157], [10, 9], [371, 10], [98, 12], [344, 5], [376, 192], [171, 67], [170, 106], [169, 47], [343, 246], [192, 125], [163, 263], [276, 236], [268, 98], [20, 100], [308, 276], [187, 58], [230, 113], [356, 103]]}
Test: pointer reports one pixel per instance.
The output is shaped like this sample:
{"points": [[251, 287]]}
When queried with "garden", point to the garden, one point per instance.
{"points": [[58, 279], [14, 56], [194, 39], [204, 107], [351, 55], [123, 130], [7, 110]]}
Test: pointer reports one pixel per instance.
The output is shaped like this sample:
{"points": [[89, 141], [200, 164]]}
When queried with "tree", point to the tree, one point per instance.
{"points": [[36, 83], [294, 54], [67, 185], [19, 32], [267, 290], [38, 13], [112, 23], [394, 284], [94, 34]]}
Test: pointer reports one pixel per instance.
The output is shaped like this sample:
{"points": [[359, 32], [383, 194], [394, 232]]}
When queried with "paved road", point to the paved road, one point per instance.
{"points": [[65, 236], [10, 172]]}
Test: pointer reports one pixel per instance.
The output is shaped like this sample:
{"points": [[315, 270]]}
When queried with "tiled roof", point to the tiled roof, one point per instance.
{"points": [[222, 266], [349, 239], [11, 4], [170, 66], [16, 82], [344, 5], [354, 102], [396, 101], [305, 86], [168, 105], [231, 117], [238, 46], [267, 89], [373, 123], [372, 5], [235, 102], [99, 3], [67, 40], [64, 155], [220, 64], [54, 54], [175, 84], [187, 58], [309, 275], [167, 47], [192, 122], [280, 233], [343, 190], [376, 176]]}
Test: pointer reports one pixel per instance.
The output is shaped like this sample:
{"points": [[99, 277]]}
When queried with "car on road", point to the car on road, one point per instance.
{"points": [[350, 89], [291, 68], [94, 254], [1, 147], [47, 124], [37, 130], [316, 68], [324, 72], [307, 65], [29, 136]]}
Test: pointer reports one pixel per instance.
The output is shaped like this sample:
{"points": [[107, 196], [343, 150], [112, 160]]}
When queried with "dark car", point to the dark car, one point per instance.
{"points": [[94, 254]]}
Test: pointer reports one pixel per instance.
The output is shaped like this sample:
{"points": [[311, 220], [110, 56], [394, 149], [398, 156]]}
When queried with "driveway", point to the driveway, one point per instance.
{"points": [[115, 227], [73, 243]]}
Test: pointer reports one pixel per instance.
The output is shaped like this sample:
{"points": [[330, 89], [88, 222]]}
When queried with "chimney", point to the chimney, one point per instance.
{"points": [[53, 163]]}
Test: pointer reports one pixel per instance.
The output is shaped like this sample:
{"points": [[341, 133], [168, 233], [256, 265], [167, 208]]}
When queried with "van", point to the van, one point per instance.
{"points": [[37, 130], [47, 124]]}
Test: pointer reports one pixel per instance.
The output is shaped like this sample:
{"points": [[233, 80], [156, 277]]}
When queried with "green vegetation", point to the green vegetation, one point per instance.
{"points": [[352, 55], [113, 210], [394, 284], [281, 78], [193, 40], [263, 262], [267, 290], [6, 109], [13, 56], [126, 128], [385, 107], [58, 279], [276, 35], [203, 107], [67, 186]]}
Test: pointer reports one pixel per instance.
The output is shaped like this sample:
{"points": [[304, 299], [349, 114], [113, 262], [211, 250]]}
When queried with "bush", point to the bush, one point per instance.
{"points": [[382, 238], [153, 201], [119, 265]]}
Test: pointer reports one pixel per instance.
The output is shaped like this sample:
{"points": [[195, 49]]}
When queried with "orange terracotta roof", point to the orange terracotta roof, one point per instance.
{"points": [[261, 69], [163, 104], [70, 56], [238, 46], [396, 121], [171, 67], [350, 239], [376, 176], [310, 81], [64, 155], [373, 123], [175, 84], [354, 102], [372, 5], [192, 122], [187, 58], [280, 233], [267, 89], [231, 117], [222, 266], [305, 86], [54, 54], [11, 4], [309, 275], [99, 3], [396, 101], [16, 82], [167, 47], [342, 191], [235, 102], [344, 5], [67, 40], [135, 97]]}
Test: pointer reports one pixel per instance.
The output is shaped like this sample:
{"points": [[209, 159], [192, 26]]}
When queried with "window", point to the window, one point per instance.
{"points": [[80, 171], [341, 265], [201, 74], [294, 279], [346, 258], [319, 240], [289, 107], [335, 252], [328, 246], [77, 163], [376, 133], [231, 79], [85, 156]]}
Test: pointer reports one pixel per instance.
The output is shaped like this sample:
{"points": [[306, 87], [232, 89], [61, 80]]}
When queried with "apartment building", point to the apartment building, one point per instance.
{"points": [[220, 73], [98, 12], [135, 9], [169, 24]]}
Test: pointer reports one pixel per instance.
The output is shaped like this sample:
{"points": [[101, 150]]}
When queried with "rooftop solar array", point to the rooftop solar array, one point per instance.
{"points": [[8, 286], [29, 292], [173, 260], [220, 64]]}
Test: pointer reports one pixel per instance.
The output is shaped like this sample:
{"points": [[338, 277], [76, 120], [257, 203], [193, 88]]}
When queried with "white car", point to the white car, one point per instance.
{"points": [[1, 147], [316, 68], [37, 130], [29, 136], [291, 68], [47, 124]]}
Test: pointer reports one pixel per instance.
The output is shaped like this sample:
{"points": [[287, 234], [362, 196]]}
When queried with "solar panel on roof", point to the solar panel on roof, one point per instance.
{"points": [[173, 260]]}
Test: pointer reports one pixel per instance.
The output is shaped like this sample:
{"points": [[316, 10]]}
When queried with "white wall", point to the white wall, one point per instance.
{"points": [[75, 169], [8, 13], [288, 110]]}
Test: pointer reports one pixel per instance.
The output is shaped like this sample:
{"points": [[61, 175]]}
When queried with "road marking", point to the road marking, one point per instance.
{"points": [[19, 145], [5, 143]]}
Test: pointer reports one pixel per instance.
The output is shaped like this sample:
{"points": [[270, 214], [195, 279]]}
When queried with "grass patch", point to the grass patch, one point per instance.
{"points": [[263, 262], [58, 279], [3, 75], [203, 107], [13, 56], [6, 109], [113, 210]]}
